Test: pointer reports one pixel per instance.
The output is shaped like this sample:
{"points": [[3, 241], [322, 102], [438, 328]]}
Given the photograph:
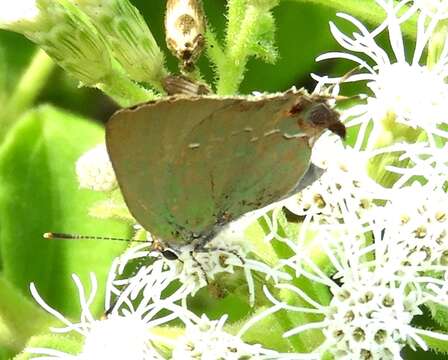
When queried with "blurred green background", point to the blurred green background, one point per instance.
{"points": [[38, 185]]}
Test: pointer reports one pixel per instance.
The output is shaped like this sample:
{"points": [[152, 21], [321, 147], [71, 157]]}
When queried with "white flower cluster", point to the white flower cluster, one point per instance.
{"points": [[387, 243], [368, 319], [383, 271], [345, 176], [208, 340], [414, 94], [415, 229], [95, 171]]}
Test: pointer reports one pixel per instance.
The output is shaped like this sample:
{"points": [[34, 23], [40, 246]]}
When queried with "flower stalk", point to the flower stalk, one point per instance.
{"points": [[27, 89], [250, 32]]}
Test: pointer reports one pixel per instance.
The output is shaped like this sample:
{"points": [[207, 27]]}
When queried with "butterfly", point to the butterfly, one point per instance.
{"points": [[187, 165]]}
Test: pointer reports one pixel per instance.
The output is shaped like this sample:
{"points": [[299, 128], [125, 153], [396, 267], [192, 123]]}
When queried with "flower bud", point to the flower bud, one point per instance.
{"points": [[95, 171], [65, 35], [184, 30], [128, 36]]}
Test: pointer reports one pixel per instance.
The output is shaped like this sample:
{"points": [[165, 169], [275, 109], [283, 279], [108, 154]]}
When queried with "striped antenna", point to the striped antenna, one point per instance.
{"points": [[168, 254], [63, 236]]}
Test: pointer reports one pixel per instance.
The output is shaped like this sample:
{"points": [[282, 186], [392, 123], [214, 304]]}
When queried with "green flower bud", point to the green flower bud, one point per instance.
{"points": [[65, 34], [128, 37]]}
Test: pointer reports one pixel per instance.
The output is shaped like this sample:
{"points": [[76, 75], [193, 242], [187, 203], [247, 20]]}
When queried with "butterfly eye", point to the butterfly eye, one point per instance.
{"points": [[321, 115]]}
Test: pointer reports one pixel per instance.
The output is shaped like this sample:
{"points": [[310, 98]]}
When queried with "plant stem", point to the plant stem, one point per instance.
{"points": [[27, 89], [237, 53], [124, 91]]}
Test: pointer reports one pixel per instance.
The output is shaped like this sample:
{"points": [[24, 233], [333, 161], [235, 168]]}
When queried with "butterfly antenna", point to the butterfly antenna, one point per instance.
{"points": [[63, 236], [344, 77]]}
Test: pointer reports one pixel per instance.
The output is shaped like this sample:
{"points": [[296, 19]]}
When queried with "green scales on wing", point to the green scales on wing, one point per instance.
{"points": [[187, 165]]}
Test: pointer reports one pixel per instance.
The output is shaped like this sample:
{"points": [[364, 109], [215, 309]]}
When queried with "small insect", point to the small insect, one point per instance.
{"points": [[184, 31], [184, 187], [179, 84]]}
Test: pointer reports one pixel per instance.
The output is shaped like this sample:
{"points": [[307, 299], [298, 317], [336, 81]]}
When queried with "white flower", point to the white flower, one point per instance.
{"points": [[370, 318], [185, 276], [374, 295], [195, 269], [118, 337], [415, 223], [345, 176], [207, 339], [12, 12], [227, 252], [150, 280], [95, 171], [129, 329], [391, 258], [434, 8], [423, 161], [414, 94]]}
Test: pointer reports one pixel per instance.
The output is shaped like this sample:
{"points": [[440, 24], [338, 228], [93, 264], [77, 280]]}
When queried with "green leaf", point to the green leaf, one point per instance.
{"points": [[3, 72], [436, 345], [5, 353], [39, 193], [439, 314], [16, 311], [263, 44], [257, 333], [64, 343]]}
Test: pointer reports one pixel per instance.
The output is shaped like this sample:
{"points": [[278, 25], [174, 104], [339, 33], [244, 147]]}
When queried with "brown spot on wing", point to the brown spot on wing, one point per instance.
{"points": [[185, 23]]}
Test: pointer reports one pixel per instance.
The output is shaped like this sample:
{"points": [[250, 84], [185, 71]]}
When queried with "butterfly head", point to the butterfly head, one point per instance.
{"points": [[314, 115], [322, 116]]}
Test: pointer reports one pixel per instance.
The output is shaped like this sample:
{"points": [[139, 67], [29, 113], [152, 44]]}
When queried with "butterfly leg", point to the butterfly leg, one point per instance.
{"points": [[197, 262]]}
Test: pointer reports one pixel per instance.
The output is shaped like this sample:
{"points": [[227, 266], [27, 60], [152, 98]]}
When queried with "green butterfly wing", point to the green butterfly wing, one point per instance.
{"points": [[185, 164]]}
